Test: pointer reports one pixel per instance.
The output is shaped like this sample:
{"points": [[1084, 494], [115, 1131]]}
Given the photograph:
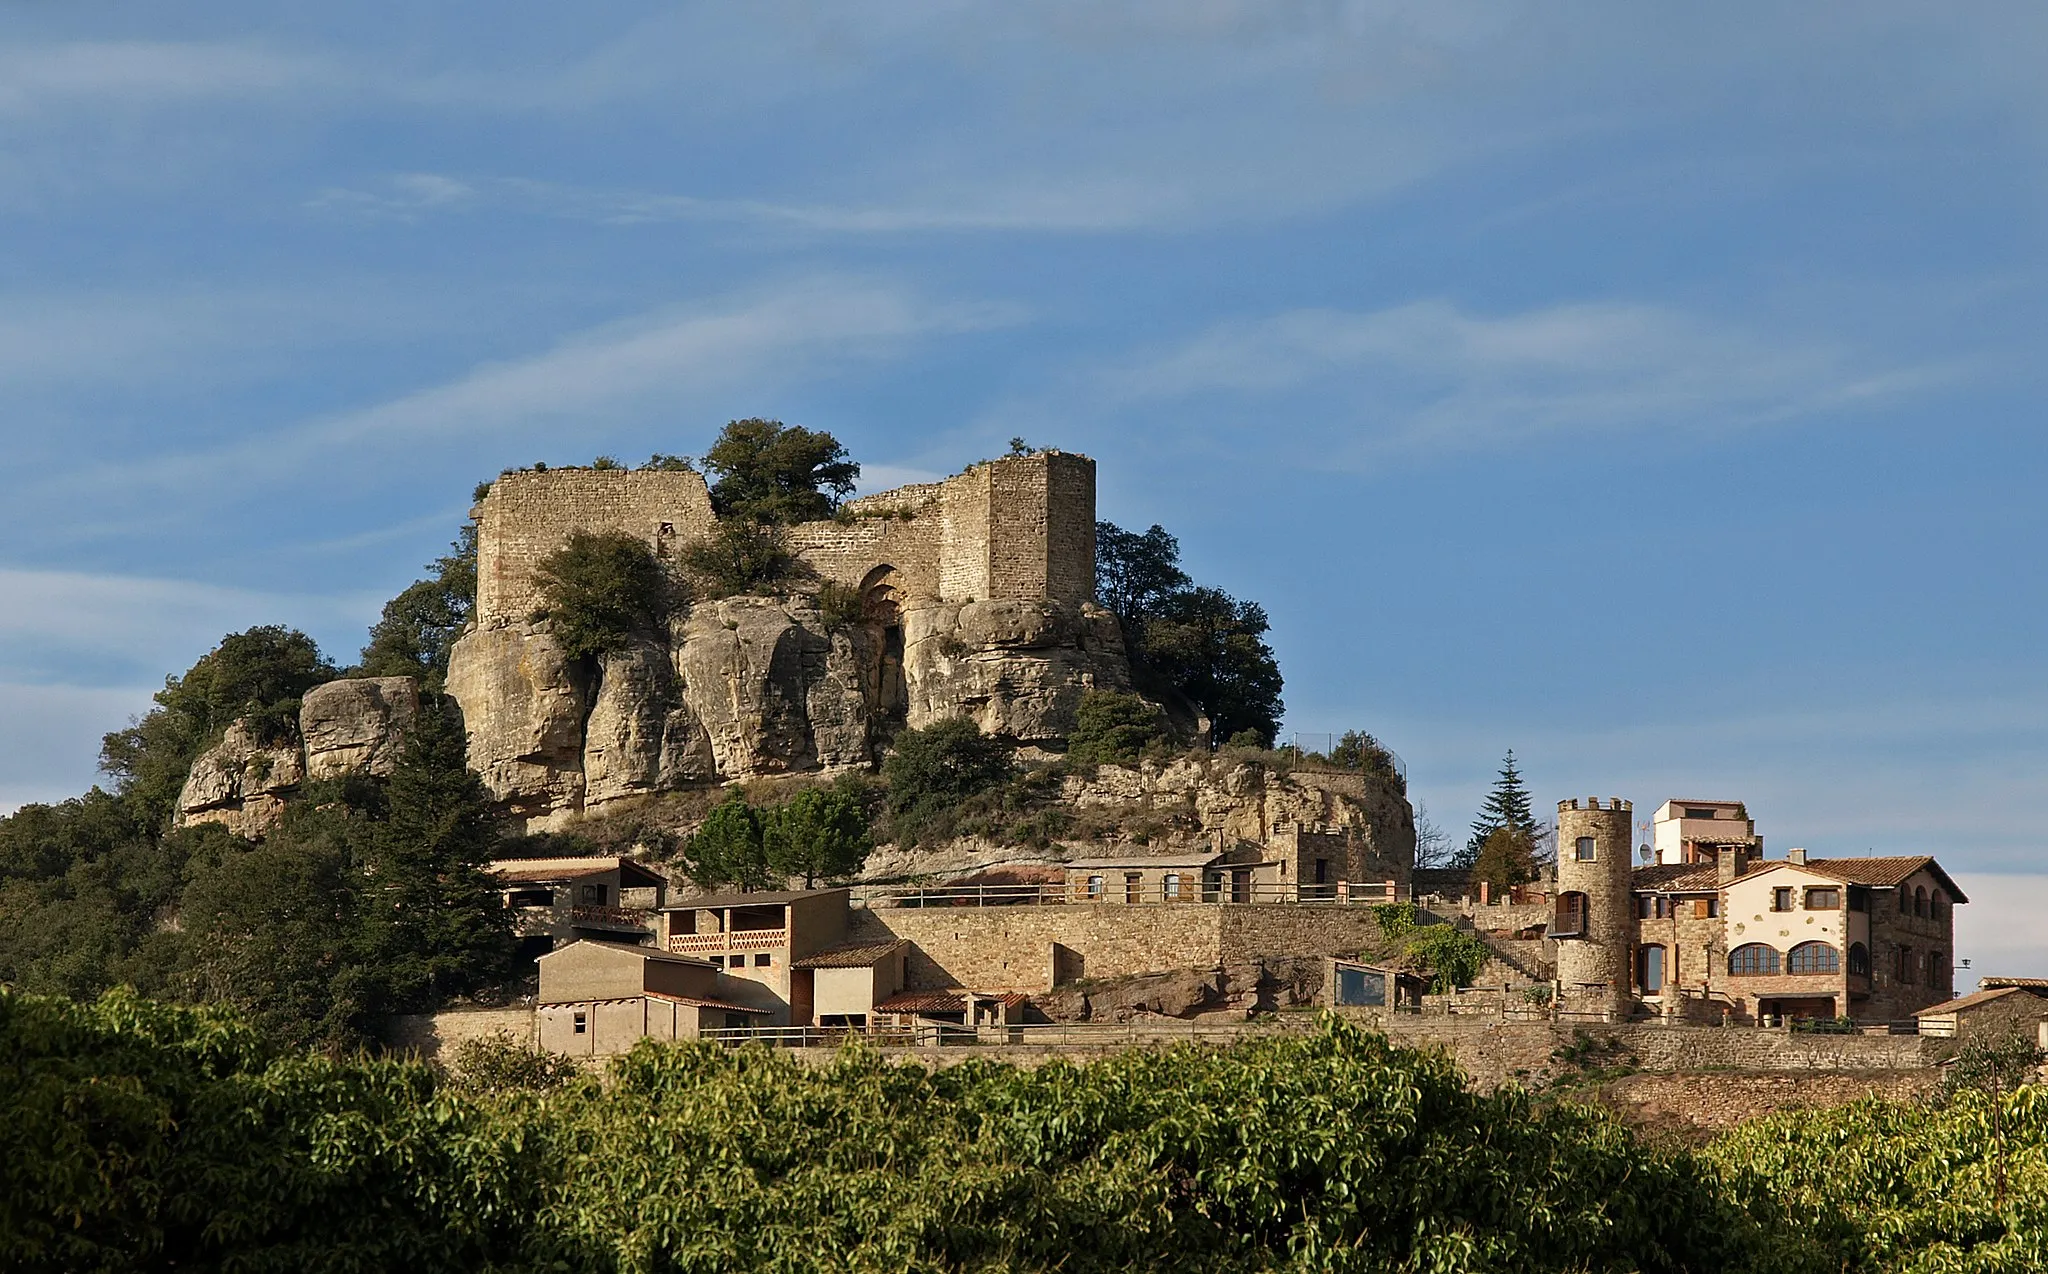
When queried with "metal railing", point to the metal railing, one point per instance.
{"points": [[1113, 891], [737, 940], [927, 1033]]}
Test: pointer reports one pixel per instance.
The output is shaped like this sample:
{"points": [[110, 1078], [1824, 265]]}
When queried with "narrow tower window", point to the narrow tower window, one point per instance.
{"points": [[1586, 850]]}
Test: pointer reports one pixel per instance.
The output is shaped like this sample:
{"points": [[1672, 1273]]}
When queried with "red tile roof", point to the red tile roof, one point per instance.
{"points": [[860, 957], [945, 1001], [1966, 1002]]}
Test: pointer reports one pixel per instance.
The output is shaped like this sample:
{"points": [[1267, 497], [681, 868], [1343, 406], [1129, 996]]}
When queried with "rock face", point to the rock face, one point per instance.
{"points": [[241, 782], [747, 687], [358, 723]]}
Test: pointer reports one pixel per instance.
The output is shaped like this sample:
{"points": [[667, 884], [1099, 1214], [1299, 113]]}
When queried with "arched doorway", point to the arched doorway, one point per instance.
{"points": [[881, 604]]}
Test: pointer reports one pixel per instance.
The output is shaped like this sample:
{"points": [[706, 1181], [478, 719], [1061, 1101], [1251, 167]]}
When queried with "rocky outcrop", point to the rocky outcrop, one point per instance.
{"points": [[241, 782], [748, 687], [1289, 982], [357, 723], [1017, 668], [1247, 801]]}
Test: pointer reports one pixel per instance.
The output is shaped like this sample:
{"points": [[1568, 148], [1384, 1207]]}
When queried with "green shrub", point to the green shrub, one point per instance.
{"points": [[1395, 919], [1114, 729], [1451, 956], [840, 604], [497, 1063], [602, 591], [729, 847], [771, 472], [932, 772], [741, 556]]}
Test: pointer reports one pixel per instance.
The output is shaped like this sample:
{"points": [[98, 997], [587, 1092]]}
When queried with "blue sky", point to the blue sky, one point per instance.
{"points": [[1657, 392]]}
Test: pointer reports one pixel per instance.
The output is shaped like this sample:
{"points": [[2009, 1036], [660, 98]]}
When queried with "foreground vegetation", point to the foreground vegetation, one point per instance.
{"points": [[140, 1135]]}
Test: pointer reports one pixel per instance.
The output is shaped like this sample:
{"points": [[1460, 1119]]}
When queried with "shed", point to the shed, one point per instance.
{"points": [[849, 981], [604, 997], [2001, 1006]]}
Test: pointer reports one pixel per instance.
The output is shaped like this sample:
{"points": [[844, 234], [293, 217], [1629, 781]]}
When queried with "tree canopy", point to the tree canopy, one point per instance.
{"points": [[772, 472], [419, 626], [1199, 643], [1507, 805]]}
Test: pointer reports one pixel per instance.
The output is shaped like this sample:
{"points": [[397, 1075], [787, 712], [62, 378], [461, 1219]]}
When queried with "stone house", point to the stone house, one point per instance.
{"points": [[598, 998], [1866, 938], [1999, 1007], [556, 901]]}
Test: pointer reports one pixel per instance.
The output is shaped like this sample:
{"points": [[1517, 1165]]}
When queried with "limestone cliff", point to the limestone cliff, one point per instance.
{"points": [[747, 687], [357, 723]]}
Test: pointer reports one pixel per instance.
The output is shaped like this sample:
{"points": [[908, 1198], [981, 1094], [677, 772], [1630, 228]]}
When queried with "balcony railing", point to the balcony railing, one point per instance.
{"points": [[738, 940], [593, 917], [1117, 892]]}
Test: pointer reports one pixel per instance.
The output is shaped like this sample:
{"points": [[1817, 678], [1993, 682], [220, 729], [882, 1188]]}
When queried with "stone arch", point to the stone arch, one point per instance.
{"points": [[881, 595]]}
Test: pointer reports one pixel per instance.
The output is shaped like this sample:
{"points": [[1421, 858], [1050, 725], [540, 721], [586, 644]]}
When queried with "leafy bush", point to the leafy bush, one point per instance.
{"points": [[497, 1063], [1114, 729], [840, 604], [740, 557], [418, 628], [1995, 1065], [1395, 919], [1451, 956], [601, 591], [661, 462], [144, 1137], [932, 771]]}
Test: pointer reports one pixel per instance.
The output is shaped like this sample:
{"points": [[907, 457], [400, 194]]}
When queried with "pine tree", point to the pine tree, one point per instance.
{"points": [[1507, 805]]}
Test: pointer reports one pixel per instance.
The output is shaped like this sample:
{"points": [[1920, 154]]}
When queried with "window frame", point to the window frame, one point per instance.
{"points": [[1586, 849], [1645, 955], [1781, 897], [1813, 947], [1765, 969], [1832, 893]]}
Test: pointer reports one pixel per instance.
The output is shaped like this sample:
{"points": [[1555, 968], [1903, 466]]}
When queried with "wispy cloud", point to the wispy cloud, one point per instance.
{"points": [[1430, 375], [783, 335], [1102, 204], [50, 747], [133, 73]]}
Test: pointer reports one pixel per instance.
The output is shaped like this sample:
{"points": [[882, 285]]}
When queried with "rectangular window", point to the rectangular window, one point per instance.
{"points": [[1902, 967], [1322, 871], [590, 894], [1691, 812], [1585, 849], [1823, 899], [1705, 908], [582, 1024], [1095, 886], [1859, 898], [763, 960], [1645, 907], [1170, 886], [1781, 899]]}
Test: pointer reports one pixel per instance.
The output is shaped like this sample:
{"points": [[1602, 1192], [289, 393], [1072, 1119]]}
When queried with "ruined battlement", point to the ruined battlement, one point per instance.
{"points": [[1021, 528]]}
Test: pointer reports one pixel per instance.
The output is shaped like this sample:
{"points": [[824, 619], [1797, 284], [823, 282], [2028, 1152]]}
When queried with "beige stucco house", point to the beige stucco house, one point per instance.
{"points": [[598, 998]]}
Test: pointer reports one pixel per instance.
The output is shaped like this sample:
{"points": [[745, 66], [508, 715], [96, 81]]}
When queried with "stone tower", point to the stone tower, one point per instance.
{"points": [[1595, 924]]}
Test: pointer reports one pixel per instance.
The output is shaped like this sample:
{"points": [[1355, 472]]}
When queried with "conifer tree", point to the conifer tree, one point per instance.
{"points": [[1507, 805]]}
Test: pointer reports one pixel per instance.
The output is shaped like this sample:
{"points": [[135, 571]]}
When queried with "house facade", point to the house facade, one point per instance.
{"points": [[602, 898], [599, 998]]}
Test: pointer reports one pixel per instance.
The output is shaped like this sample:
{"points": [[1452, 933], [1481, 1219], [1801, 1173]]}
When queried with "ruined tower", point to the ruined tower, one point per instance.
{"points": [[1594, 925]]}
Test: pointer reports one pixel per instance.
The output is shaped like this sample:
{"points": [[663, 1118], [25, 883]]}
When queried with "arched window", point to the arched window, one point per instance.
{"points": [[1812, 957], [1920, 901], [1752, 958], [1570, 920], [1934, 905], [1859, 960], [1905, 900]]}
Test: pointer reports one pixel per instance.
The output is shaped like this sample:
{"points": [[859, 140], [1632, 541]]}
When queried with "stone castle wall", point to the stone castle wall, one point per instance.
{"points": [[1018, 528], [1012, 948]]}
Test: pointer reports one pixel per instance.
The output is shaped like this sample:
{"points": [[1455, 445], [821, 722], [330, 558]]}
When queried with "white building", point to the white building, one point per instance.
{"points": [[1685, 831]]}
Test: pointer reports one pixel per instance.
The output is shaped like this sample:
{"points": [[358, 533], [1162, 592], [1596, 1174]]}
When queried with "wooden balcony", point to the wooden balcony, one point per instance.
{"points": [[720, 943], [622, 918]]}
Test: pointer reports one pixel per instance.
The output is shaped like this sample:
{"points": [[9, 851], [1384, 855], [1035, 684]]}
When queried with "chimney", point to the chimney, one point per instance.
{"points": [[1727, 862], [1796, 857]]}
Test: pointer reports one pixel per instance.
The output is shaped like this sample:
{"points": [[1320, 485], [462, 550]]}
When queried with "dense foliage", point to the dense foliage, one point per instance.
{"points": [[256, 675], [1451, 956], [418, 628], [601, 592], [1111, 728], [819, 833], [741, 556], [1196, 644], [771, 472], [140, 1135], [932, 772], [1507, 858]]}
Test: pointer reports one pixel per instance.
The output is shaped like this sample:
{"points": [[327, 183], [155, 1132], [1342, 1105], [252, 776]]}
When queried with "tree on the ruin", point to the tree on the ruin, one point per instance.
{"points": [[600, 591], [1507, 805], [740, 556], [1111, 728], [772, 472]]}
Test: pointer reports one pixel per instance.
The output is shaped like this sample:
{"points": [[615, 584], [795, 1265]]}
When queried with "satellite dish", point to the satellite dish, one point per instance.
{"points": [[1645, 853]]}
